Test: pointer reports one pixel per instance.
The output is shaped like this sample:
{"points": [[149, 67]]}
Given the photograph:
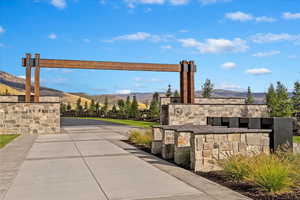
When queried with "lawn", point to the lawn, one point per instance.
{"points": [[297, 139], [142, 124], [5, 139]]}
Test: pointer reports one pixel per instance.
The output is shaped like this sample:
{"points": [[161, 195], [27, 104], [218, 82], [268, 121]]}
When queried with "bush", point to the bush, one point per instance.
{"points": [[236, 167], [270, 173], [141, 137]]}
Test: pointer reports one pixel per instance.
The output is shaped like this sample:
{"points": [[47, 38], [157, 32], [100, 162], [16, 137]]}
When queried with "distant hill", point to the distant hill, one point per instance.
{"points": [[16, 85]]}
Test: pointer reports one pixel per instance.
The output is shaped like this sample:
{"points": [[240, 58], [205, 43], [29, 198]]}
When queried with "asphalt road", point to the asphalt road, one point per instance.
{"points": [[85, 122]]}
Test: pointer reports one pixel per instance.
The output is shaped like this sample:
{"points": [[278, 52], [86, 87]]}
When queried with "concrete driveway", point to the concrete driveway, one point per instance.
{"points": [[90, 162]]}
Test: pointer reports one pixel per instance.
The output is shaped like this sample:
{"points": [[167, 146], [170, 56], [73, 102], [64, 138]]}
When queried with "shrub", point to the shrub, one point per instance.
{"points": [[236, 167], [141, 137], [270, 173]]}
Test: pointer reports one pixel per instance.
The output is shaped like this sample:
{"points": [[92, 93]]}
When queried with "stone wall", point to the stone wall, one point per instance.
{"points": [[215, 100], [179, 114], [21, 98], [29, 118], [208, 149]]}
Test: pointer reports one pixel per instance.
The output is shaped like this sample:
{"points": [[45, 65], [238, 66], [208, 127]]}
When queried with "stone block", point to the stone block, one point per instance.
{"points": [[234, 137], [168, 151], [168, 136], [156, 147], [157, 134], [253, 139]]}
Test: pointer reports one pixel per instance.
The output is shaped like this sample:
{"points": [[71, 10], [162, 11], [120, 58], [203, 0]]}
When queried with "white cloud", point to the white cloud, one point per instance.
{"points": [[258, 71], [52, 36], [183, 31], [2, 30], [131, 3], [166, 47], [134, 36], [228, 65], [267, 53], [270, 37], [179, 2], [265, 19], [60, 4], [288, 15], [243, 17], [140, 36], [86, 40], [230, 86], [125, 91], [216, 45], [205, 2], [239, 16]]}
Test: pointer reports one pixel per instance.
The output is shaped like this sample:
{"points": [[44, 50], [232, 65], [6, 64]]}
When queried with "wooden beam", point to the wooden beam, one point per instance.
{"points": [[79, 64], [28, 78], [191, 82], [184, 82], [37, 79]]}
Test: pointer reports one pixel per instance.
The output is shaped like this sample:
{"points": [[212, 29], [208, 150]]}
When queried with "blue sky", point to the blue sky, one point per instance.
{"points": [[235, 43]]}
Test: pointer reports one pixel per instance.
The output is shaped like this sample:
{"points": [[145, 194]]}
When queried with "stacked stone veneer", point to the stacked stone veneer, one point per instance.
{"points": [[207, 150], [29, 118], [215, 100], [21, 98], [179, 114]]}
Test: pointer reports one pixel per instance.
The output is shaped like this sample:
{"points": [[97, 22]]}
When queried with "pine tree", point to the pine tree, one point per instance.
{"points": [[97, 107], [127, 107], [121, 106], [104, 108], [86, 106], [169, 91], [154, 106], [296, 97], [284, 107], [69, 107], [207, 88], [250, 98], [78, 105], [176, 94], [271, 100], [134, 108], [114, 109]]}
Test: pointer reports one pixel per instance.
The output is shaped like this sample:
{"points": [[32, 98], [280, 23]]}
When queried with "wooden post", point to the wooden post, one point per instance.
{"points": [[191, 82], [184, 82], [28, 78], [37, 79]]}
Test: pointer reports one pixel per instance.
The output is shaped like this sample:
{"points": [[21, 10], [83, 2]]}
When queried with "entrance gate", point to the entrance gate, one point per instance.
{"points": [[186, 69]]}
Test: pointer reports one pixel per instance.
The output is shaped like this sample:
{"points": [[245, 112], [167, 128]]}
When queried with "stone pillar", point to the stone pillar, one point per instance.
{"points": [[182, 148], [156, 144], [168, 144]]}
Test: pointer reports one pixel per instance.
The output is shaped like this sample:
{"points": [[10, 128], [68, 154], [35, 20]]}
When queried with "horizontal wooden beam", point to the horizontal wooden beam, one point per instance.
{"points": [[78, 64]]}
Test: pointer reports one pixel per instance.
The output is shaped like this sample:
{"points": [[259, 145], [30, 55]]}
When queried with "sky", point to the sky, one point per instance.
{"points": [[235, 43]]}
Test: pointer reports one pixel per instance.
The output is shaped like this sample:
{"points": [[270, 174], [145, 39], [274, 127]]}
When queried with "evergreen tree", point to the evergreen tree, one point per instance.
{"points": [[284, 107], [134, 108], [271, 100], [169, 91], [69, 107], [154, 106], [250, 98], [97, 107], [104, 108], [114, 109], [207, 88], [121, 105], [127, 106], [176, 94], [92, 106], [86, 106], [296, 97], [78, 105]]}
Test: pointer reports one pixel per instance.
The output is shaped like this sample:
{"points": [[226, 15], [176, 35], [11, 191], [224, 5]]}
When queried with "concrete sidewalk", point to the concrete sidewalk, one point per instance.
{"points": [[91, 163]]}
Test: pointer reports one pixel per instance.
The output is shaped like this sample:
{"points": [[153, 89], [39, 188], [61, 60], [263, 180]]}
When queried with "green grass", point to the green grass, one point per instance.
{"points": [[5, 139], [142, 124], [297, 139]]}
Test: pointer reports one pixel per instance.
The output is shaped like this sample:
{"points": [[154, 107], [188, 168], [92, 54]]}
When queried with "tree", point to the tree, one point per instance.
{"points": [[176, 94], [69, 107], [104, 108], [296, 97], [154, 106], [86, 106], [134, 108], [169, 91], [278, 101], [114, 109], [250, 98], [92, 106], [127, 106], [207, 88], [63, 108], [78, 105], [121, 105], [97, 106]]}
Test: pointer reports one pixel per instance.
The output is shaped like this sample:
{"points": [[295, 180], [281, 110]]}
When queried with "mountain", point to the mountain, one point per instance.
{"points": [[16, 86]]}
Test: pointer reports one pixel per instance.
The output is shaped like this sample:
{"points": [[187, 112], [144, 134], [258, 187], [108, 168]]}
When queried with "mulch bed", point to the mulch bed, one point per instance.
{"points": [[243, 188]]}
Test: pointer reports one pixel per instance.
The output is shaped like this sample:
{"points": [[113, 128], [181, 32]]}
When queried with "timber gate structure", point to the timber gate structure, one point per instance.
{"points": [[186, 69]]}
